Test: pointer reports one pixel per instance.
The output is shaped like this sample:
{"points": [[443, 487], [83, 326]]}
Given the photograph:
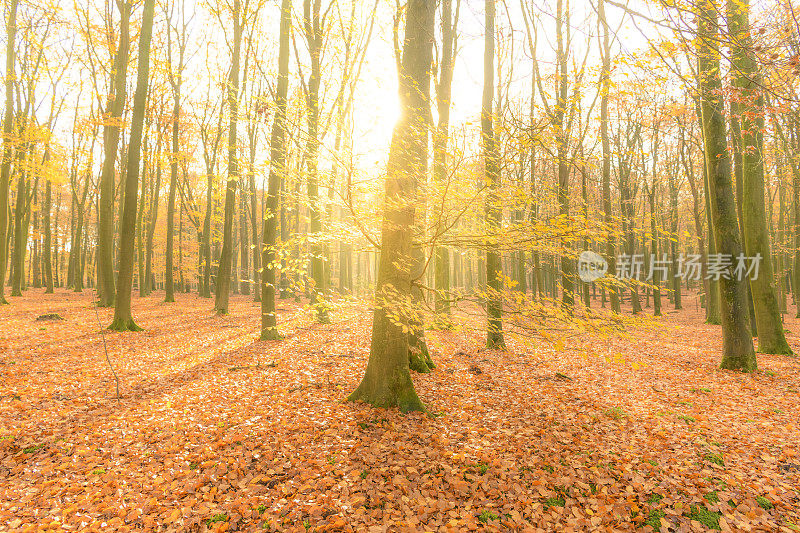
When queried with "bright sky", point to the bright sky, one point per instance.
{"points": [[376, 107]]}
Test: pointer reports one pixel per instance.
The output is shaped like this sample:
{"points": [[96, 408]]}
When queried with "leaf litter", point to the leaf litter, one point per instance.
{"points": [[216, 431]]}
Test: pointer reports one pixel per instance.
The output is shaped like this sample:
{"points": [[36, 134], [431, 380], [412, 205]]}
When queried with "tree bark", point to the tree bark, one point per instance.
{"points": [[440, 142], [494, 213], [277, 173], [223, 281], [737, 343], [8, 147], [312, 23], [387, 379], [747, 84], [123, 319], [47, 258], [111, 128]]}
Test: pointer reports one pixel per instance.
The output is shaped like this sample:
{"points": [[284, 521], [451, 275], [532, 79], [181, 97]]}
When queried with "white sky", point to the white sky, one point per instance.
{"points": [[376, 106]]}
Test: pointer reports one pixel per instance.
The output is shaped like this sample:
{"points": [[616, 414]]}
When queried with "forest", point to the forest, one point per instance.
{"points": [[400, 265]]}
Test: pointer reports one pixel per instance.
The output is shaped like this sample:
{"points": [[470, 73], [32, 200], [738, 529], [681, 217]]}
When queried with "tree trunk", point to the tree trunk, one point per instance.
{"points": [[254, 217], [123, 319], [747, 83], [223, 282], [277, 173], [47, 258], [387, 379], [440, 142], [111, 129], [20, 233], [738, 351], [151, 223], [8, 149], [140, 226], [314, 36], [205, 290], [169, 283], [494, 213]]}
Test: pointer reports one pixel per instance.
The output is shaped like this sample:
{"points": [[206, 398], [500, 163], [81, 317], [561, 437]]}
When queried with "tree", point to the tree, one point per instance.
{"points": [[387, 379], [313, 25], [605, 89], [494, 213], [652, 191], [175, 81], [210, 139], [441, 137], [123, 319], [224, 274], [738, 351], [277, 169], [750, 99], [8, 145], [111, 133]]}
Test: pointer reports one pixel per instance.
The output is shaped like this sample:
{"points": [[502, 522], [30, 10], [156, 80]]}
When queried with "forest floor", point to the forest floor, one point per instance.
{"points": [[216, 431]]}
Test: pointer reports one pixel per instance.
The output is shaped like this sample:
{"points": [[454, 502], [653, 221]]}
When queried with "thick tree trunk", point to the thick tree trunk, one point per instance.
{"points": [[738, 173], [387, 379], [8, 147], [111, 130], [314, 36], [738, 351], [123, 319], [747, 81], [223, 281], [140, 226], [277, 173], [20, 233], [713, 295], [151, 224]]}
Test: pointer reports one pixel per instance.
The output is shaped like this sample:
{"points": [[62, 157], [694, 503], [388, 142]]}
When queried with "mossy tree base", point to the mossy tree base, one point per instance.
{"points": [[495, 340], [778, 348], [124, 325], [740, 364], [418, 364], [272, 335], [388, 393]]}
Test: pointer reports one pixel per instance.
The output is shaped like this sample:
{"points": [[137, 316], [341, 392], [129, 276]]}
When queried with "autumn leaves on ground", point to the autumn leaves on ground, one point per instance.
{"points": [[216, 431]]}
